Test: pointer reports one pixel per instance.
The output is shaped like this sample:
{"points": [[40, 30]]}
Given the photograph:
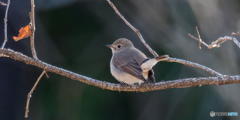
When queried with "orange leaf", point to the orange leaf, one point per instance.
{"points": [[23, 32]]}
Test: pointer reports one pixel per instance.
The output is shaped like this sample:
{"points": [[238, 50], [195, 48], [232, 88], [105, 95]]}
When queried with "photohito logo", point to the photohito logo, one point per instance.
{"points": [[212, 114], [228, 114]]}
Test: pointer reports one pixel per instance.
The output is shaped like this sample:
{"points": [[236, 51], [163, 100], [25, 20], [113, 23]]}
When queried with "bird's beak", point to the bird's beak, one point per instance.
{"points": [[109, 46]]}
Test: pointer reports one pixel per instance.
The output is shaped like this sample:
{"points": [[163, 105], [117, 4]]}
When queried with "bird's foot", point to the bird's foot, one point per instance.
{"points": [[123, 84]]}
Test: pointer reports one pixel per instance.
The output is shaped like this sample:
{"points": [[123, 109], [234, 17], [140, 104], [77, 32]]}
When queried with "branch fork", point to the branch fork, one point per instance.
{"points": [[217, 43]]}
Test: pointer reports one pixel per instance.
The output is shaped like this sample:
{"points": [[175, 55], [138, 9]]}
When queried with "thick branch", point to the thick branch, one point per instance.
{"points": [[180, 83]]}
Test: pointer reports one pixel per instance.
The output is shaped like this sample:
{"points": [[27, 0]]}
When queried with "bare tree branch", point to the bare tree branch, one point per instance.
{"points": [[235, 40], [180, 83], [133, 28], [3, 4], [6, 25], [29, 96], [194, 65], [235, 33], [33, 26], [217, 43]]}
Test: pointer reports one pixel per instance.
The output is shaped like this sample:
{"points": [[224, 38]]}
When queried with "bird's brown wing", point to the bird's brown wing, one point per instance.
{"points": [[128, 64], [132, 64], [133, 68]]}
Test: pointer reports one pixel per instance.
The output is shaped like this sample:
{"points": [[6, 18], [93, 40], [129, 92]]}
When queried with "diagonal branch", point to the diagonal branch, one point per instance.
{"points": [[31, 92], [180, 83], [133, 28], [194, 65], [6, 25]]}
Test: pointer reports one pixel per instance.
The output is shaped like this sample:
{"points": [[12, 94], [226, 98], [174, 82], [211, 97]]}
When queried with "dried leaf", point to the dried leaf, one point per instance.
{"points": [[23, 32]]}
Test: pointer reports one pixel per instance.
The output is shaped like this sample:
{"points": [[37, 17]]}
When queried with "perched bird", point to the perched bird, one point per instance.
{"points": [[129, 65]]}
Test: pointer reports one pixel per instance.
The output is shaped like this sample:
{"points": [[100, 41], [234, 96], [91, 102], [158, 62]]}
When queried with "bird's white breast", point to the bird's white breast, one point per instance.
{"points": [[123, 76]]}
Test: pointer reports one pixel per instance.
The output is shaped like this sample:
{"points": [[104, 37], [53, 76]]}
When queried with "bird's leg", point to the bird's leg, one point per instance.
{"points": [[137, 84], [123, 84]]}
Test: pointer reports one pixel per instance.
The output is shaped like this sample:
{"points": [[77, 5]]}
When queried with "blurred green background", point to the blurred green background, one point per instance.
{"points": [[72, 34]]}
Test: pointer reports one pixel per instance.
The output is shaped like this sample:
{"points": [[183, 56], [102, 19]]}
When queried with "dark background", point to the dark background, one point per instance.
{"points": [[72, 34]]}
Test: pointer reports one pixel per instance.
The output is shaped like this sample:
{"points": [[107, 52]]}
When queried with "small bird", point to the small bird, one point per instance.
{"points": [[129, 65]]}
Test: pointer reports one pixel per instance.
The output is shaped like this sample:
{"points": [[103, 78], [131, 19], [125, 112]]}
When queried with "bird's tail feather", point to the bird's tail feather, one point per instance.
{"points": [[150, 63], [162, 57]]}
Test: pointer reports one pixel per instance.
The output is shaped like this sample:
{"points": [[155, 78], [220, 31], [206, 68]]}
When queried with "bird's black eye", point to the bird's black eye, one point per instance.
{"points": [[119, 46]]}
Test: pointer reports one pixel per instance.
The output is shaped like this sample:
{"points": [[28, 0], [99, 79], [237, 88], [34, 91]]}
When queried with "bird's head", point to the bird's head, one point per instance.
{"points": [[120, 44]]}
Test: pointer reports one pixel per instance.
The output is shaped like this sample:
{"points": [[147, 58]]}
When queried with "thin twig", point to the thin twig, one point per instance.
{"points": [[194, 65], [29, 96], [180, 83], [3, 4], [200, 39], [236, 42], [6, 25], [235, 34], [32, 37], [217, 43], [133, 28]]}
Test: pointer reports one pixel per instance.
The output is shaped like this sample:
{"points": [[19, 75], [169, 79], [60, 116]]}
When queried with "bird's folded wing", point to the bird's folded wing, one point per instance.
{"points": [[133, 68]]}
